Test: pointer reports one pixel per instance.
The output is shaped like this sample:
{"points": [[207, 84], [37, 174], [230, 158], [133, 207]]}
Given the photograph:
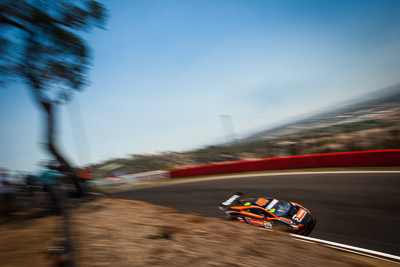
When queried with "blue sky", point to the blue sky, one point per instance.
{"points": [[164, 72]]}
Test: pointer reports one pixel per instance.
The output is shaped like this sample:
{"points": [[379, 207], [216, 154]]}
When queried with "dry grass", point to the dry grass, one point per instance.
{"points": [[110, 232]]}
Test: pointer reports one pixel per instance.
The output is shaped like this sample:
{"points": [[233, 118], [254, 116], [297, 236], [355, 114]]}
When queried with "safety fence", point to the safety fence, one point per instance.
{"points": [[344, 159]]}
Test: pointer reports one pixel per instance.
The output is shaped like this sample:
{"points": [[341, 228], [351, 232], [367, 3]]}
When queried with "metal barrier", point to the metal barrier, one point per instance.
{"points": [[345, 159]]}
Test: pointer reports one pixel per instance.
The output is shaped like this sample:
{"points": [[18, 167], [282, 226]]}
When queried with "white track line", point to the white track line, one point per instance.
{"points": [[362, 251]]}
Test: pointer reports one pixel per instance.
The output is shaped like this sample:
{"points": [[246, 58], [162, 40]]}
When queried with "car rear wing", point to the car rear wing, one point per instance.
{"points": [[230, 201]]}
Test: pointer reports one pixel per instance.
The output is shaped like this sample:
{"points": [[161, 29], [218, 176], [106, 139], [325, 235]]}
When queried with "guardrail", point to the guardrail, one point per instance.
{"points": [[344, 159]]}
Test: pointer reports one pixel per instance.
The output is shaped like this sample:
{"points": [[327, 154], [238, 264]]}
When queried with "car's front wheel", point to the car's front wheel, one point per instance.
{"points": [[282, 227]]}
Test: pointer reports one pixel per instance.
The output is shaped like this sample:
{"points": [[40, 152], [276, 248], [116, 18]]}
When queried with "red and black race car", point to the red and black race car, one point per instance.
{"points": [[270, 213]]}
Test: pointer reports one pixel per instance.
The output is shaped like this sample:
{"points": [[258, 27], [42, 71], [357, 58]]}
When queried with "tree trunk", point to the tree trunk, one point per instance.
{"points": [[48, 106], [51, 145]]}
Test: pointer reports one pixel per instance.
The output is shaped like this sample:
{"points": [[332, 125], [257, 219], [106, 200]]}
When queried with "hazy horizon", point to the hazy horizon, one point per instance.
{"points": [[165, 71]]}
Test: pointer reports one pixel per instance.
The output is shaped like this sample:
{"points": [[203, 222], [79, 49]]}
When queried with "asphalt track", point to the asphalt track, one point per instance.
{"points": [[357, 209]]}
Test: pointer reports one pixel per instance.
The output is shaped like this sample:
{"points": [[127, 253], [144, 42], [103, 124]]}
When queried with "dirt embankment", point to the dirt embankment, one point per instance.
{"points": [[110, 232]]}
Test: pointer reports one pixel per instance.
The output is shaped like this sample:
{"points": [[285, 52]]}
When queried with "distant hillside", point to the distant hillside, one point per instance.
{"points": [[378, 101], [369, 123]]}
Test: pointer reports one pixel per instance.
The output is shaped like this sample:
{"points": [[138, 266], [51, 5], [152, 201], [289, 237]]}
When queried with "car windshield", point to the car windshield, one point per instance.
{"points": [[278, 207]]}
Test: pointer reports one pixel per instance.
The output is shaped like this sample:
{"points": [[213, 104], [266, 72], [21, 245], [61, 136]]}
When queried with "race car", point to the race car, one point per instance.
{"points": [[271, 213]]}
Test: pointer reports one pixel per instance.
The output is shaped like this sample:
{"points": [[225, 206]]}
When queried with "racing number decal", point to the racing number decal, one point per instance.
{"points": [[268, 225], [299, 215], [261, 202]]}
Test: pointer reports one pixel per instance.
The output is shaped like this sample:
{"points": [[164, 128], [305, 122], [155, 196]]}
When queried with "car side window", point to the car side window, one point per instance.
{"points": [[259, 212], [266, 214], [254, 211]]}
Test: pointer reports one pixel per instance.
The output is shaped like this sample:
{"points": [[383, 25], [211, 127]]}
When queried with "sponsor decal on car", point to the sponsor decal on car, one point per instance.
{"points": [[272, 204], [299, 215], [253, 221], [272, 210]]}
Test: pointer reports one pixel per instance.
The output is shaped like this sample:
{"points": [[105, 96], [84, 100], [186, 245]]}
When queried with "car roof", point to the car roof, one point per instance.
{"points": [[258, 202]]}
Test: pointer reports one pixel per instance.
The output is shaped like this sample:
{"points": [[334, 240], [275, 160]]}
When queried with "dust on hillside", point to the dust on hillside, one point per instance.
{"points": [[113, 232]]}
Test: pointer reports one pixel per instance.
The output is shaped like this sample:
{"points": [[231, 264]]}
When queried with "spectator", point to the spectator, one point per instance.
{"points": [[6, 192], [50, 178]]}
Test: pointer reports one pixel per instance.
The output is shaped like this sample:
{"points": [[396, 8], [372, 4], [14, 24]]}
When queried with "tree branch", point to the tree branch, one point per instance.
{"points": [[5, 20]]}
